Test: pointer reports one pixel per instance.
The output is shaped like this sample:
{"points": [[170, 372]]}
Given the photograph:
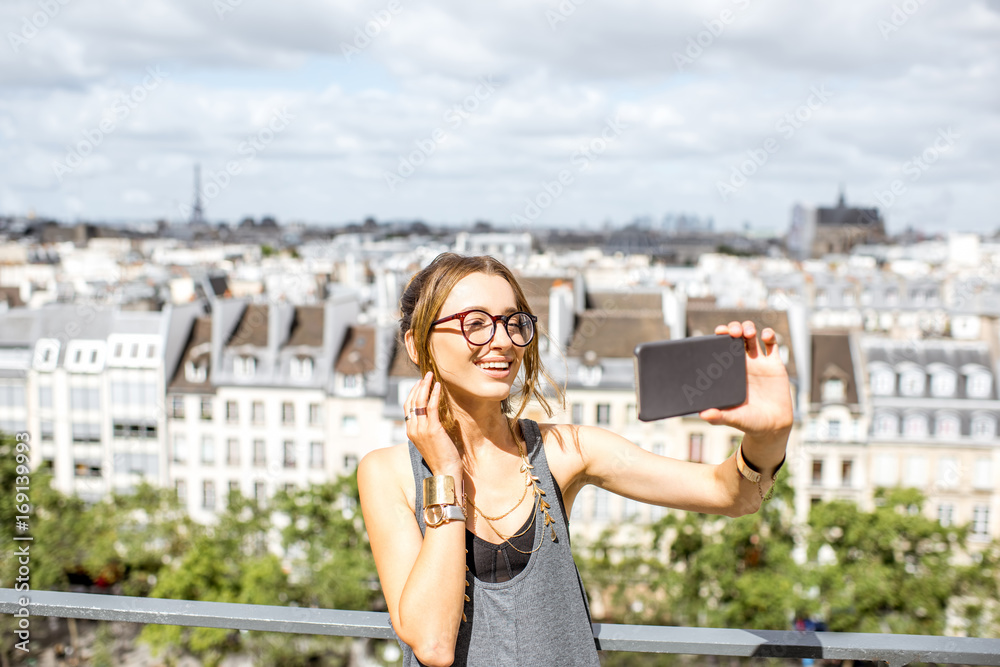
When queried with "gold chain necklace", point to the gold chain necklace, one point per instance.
{"points": [[537, 491]]}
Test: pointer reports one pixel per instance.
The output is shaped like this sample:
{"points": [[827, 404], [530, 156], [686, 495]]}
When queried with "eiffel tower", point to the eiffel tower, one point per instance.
{"points": [[196, 211]]}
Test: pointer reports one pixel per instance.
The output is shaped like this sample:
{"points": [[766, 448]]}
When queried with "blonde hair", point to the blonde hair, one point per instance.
{"points": [[421, 304]]}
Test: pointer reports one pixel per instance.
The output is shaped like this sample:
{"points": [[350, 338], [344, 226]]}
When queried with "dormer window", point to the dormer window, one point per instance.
{"points": [[978, 384], [911, 382], [915, 426], [947, 426], [883, 381], [833, 391], [245, 366], [984, 427], [943, 384], [886, 425], [302, 368], [196, 371]]}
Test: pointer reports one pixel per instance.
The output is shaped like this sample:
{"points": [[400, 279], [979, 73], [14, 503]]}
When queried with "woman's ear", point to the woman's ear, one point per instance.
{"points": [[411, 347]]}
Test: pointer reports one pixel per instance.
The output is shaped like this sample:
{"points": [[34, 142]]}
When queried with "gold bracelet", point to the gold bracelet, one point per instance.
{"points": [[754, 476], [439, 490]]}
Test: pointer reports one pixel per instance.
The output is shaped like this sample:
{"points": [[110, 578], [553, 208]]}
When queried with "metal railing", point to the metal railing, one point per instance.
{"points": [[894, 650]]}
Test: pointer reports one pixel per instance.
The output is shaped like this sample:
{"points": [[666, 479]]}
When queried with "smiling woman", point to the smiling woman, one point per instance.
{"points": [[468, 522]]}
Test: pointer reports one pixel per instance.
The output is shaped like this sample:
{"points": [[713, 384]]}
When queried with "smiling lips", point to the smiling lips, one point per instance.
{"points": [[497, 368]]}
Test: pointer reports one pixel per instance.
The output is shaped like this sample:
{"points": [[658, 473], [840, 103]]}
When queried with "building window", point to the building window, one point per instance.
{"points": [[48, 430], [696, 447], [948, 472], [886, 425], [84, 398], [206, 408], [983, 427], [257, 412], [978, 385], [301, 368], [943, 384], [177, 407], [349, 425], [259, 453], [833, 429], [315, 414], [603, 414], [208, 494], [631, 414], [911, 383], [245, 366], [915, 426], [883, 381], [576, 411], [289, 454], [947, 426], [916, 471], [946, 514], [259, 492], [233, 451], [45, 397], [181, 489], [287, 412], [833, 391], [207, 449], [981, 474], [886, 472], [180, 448], [316, 457], [817, 472], [351, 382], [86, 431], [195, 372], [350, 461], [232, 412], [234, 489], [846, 473], [981, 522]]}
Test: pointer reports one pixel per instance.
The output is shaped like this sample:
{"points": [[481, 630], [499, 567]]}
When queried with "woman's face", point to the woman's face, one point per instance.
{"points": [[470, 371]]}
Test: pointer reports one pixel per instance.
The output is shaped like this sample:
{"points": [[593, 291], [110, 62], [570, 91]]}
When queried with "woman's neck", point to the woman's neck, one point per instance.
{"points": [[483, 431]]}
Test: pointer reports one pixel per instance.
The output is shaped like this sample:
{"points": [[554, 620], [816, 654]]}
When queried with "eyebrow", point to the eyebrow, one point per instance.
{"points": [[508, 311]]}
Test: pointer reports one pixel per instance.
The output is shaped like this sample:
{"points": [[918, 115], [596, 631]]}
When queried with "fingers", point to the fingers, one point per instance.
{"points": [[770, 339], [748, 331]]}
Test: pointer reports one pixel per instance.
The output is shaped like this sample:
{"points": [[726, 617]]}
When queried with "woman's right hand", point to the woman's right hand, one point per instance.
{"points": [[427, 432]]}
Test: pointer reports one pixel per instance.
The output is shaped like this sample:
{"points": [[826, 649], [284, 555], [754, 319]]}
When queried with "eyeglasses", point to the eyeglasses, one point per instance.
{"points": [[479, 327]]}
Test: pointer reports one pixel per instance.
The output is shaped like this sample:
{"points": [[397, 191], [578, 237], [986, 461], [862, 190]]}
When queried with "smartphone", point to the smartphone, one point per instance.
{"points": [[682, 377]]}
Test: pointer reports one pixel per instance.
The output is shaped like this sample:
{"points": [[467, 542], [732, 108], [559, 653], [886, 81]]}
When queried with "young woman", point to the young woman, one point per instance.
{"points": [[468, 522]]}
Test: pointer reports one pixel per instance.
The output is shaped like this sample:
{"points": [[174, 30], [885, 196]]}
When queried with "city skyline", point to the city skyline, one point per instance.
{"points": [[561, 114]]}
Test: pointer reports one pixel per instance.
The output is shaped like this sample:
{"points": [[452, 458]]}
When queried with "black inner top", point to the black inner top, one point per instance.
{"points": [[494, 563]]}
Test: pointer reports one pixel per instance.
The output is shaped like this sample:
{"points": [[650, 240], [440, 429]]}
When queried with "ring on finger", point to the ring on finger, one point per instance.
{"points": [[420, 412], [407, 418]]}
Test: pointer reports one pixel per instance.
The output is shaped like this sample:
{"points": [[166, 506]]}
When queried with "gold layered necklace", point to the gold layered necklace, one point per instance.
{"points": [[530, 481]]}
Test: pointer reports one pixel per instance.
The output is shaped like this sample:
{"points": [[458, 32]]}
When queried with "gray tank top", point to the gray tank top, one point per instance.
{"points": [[541, 617]]}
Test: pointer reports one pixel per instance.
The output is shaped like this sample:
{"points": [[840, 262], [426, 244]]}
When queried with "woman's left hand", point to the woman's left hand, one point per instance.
{"points": [[767, 412]]}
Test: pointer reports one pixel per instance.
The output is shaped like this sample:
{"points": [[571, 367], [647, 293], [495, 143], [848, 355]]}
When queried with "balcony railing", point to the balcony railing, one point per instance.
{"points": [[894, 650]]}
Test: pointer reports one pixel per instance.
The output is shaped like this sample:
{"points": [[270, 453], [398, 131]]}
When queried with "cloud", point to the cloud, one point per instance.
{"points": [[698, 86]]}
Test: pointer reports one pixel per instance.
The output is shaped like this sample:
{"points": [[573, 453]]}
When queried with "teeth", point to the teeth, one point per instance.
{"points": [[502, 365]]}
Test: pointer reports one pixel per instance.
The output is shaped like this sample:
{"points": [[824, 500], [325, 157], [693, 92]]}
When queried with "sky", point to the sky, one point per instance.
{"points": [[567, 113]]}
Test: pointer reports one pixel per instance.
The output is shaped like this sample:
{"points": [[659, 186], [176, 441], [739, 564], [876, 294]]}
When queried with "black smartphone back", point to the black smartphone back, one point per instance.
{"points": [[681, 377]]}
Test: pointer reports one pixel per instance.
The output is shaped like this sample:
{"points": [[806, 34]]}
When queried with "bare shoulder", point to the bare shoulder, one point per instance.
{"points": [[387, 470]]}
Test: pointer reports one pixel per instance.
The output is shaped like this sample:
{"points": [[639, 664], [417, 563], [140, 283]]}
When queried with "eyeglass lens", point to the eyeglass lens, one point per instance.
{"points": [[479, 328]]}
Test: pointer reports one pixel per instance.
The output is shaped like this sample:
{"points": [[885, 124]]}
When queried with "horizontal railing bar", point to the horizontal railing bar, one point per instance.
{"points": [[890, 648]]}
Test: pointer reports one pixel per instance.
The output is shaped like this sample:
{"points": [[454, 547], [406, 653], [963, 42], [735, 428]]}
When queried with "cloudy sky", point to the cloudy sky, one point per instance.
{"points": [[523, 112]]}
